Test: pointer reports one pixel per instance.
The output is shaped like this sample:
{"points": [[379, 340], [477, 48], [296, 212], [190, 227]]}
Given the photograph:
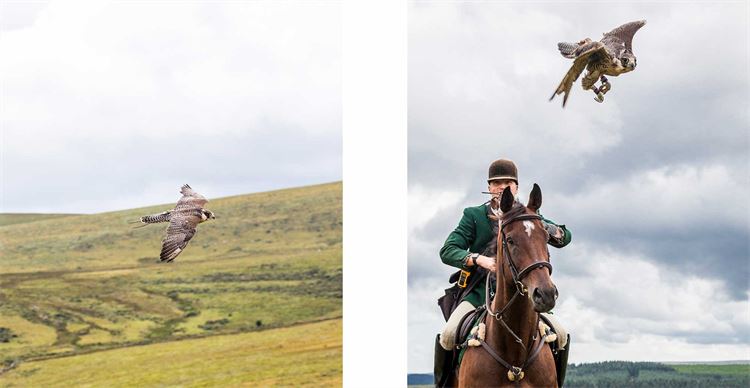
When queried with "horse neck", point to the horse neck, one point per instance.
{"points": [[520, 317]]}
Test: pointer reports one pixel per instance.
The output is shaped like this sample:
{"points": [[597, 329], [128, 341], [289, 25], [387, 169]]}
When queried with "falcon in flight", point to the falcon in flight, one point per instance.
{"points": [[613, 55], [183, 219]]}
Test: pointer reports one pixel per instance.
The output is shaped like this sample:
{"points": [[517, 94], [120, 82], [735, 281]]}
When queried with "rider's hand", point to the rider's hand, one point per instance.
{"points": [[486, 262], [554, 230]]}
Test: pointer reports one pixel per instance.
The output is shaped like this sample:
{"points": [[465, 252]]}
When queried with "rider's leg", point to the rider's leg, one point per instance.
{"points": [[448, 336]]}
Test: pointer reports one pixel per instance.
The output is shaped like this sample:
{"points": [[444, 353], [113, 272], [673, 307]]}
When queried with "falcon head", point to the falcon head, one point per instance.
{"points": [[628, 61], [207, 215]]}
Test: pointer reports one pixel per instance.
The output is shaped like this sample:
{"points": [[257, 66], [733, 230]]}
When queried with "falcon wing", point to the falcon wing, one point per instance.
{"points": [[190, 199], [179, 232], [625, 33], [579, 64]]}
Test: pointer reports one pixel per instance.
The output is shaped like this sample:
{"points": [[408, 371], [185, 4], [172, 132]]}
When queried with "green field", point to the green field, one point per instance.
{"points": [[304, 355], [20, 218], [80, 284]]}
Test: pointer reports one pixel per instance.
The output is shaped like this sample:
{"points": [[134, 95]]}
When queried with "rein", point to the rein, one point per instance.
{"points": [[515, 373]]}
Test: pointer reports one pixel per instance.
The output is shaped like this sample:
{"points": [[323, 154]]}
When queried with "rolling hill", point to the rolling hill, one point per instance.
{"points": [[72, 285]]}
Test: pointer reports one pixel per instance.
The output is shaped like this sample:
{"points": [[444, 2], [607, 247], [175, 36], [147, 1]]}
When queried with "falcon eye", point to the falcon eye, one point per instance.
{"points": [[624, 61]]}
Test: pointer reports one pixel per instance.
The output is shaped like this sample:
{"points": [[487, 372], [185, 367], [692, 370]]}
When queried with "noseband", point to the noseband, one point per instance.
{"points": [[515, 373]]}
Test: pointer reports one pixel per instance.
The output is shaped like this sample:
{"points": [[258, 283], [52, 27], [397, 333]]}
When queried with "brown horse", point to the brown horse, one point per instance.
{"points": [[513, 354]]}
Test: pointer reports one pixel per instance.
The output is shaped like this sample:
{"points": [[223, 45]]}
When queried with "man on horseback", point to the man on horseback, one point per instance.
{"points": [[472, 247]]}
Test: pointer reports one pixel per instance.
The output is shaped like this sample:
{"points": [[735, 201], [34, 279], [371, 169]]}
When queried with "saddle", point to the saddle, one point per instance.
{"points": [[467, 324]]}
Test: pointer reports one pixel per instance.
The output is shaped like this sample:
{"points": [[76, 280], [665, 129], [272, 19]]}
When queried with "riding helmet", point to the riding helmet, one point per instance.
{"points": [[503, 169]]}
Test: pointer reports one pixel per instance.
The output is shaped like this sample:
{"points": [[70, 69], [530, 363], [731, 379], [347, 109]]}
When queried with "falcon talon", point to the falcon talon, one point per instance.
{"points": [[599, 98]]}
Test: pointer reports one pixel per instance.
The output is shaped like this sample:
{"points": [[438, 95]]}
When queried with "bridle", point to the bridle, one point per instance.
{"points": [[518, 276], [515, 373]]}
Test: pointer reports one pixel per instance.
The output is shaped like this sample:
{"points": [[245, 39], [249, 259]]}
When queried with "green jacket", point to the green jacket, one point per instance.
{"points": [[471, 235]]}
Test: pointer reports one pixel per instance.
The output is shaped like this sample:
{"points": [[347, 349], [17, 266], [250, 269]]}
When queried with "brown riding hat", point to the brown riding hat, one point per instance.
{"points": [[502, 169]]}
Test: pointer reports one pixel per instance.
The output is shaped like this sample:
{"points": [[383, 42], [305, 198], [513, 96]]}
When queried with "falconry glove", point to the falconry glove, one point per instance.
{"points": [[553, 231]]}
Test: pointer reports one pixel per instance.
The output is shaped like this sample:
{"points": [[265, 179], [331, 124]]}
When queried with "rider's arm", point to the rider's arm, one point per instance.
{"points": [[563, 240], [456, 246]]}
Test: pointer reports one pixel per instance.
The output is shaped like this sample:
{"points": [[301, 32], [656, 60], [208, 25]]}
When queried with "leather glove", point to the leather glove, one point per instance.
{"points": [[554, 231]]}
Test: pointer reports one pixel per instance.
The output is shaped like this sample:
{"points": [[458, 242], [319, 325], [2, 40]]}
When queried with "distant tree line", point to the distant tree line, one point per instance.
{"points": [[608, 366], [645, 374]]}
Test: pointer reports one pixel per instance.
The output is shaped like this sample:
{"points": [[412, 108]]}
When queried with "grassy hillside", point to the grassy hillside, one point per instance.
{"points": [[20, 218], [84, 283], [305, 355]]}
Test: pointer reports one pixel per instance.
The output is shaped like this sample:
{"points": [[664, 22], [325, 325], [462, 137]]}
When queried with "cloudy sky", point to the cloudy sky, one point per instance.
{"points": [[114, 105], [653, 182]]}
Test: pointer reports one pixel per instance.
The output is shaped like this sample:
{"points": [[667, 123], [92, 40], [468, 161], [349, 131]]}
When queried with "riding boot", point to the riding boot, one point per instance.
{"points": [[443, 364], [561, 363]]}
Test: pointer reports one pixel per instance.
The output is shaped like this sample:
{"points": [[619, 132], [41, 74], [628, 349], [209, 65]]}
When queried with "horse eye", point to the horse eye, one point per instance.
{"points": [[510, 241]]}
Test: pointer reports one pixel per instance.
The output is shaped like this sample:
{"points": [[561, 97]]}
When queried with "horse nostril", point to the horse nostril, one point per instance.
{"points": [[556, 293], [537, 295]]}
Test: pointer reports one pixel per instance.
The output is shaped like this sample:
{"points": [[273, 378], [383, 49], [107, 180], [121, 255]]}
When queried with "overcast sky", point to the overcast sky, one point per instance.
{"points": [[654, 183], [115, 105]]}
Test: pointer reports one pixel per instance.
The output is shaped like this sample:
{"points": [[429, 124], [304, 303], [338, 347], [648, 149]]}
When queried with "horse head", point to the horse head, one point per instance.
{"points": [[524, 257]]}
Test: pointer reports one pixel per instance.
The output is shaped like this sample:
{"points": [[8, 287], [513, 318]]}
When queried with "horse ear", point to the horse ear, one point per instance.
{"points": [[506, 202], [535, 198]]}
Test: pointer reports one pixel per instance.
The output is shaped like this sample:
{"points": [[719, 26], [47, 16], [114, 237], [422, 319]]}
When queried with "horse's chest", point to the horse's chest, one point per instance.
{"points": [[478, 369]]}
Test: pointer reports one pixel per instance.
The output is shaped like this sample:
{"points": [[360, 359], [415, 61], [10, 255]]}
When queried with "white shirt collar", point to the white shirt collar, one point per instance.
{"points": [[497, 212]]}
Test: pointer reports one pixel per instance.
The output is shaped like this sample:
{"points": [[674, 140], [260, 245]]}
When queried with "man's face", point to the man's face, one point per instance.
{"points": [[497, 186]]}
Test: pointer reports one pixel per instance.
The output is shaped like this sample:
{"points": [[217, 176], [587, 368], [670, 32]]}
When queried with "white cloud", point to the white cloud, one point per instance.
{"points": [[165, 69], [425, 203], [633, 296], [168, 91], [669, 197], [656, 348]]}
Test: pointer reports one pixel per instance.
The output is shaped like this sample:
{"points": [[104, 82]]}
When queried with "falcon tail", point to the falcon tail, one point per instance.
{"points": [[153, 219], [568, 50]]}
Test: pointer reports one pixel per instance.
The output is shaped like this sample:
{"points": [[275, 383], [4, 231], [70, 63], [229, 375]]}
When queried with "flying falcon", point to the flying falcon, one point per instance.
{"points": [[183, 219], [613, 55]]}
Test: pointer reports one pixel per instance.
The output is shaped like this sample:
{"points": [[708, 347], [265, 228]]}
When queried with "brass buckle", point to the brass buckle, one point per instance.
{"points": [[463, 278]]}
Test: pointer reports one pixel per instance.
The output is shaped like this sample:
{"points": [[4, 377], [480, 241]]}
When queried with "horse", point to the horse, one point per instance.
{"points": [[513, 353]]}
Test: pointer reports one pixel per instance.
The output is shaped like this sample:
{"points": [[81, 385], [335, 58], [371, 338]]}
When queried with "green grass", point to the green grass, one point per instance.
{"points": [[20, 218], [84, 283], [304, 355]]}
